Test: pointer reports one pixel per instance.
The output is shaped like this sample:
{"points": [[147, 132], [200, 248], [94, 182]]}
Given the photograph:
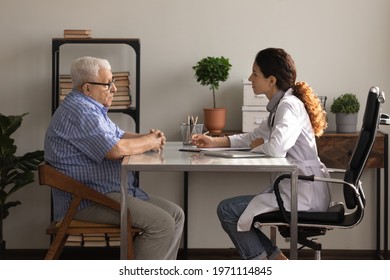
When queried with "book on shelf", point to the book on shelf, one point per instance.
{"points": [[120, 102], [75, 237], [113, 240], [95, 243], [94, 237], [77, 33], [66, 85], [121, 83], [65, 78], [62, 97], [65, 91], [118, 74], [74, 240], [121, 97], [94, 240], [122, 79], [119, 107], [114, 236], [114, 243], [122, 91], [73, 244]]}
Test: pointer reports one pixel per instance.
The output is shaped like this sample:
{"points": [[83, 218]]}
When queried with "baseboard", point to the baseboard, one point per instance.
{"points": [[192, 254], [304, 254]]}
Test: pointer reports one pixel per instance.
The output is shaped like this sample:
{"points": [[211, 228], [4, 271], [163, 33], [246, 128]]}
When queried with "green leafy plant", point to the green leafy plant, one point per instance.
{"points": [[346, 103], [15, 171], [210, 71]]}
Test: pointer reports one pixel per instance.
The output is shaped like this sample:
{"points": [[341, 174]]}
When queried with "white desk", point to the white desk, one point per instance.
{"points": [[171, 159]]}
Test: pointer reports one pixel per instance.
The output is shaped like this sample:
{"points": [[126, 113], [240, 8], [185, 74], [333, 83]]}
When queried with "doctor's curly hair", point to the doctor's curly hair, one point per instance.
{"points": [[313, 107]]}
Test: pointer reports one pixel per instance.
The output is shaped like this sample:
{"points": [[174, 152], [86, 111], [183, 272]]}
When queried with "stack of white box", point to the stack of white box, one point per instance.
{"points": [[254, 108]]}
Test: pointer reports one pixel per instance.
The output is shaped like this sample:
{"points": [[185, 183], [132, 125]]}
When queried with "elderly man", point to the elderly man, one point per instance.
{"points": [[82, 142]]}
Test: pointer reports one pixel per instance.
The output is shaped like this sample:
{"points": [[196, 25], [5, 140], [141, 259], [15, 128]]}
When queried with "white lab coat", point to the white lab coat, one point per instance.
{"points": [[291, 137]]}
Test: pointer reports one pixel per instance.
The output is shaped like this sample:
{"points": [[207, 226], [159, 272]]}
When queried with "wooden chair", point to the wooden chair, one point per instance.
{"points": [[60, 230]]}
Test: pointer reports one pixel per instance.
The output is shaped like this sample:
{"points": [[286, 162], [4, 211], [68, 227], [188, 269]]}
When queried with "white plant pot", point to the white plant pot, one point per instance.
{"points": [[346, 123]]}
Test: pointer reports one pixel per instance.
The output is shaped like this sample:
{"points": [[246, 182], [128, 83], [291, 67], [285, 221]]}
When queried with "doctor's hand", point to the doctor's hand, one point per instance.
{"points": [[202, 141], [256, 142]]}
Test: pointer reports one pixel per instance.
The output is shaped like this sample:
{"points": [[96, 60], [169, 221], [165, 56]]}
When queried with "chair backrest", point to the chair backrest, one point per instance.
{"points": [[364, 145], [49, 176]]}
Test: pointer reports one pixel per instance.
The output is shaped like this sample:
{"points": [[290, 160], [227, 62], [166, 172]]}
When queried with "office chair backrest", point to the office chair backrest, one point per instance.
{"points": [[364, 145]]}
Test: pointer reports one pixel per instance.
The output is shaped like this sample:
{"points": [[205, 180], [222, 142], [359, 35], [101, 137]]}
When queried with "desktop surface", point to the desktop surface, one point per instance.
{"points": [[172, 159]]}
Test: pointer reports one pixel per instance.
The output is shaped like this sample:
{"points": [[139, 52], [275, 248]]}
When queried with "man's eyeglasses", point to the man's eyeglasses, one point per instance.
{"points": [[108, 85]]}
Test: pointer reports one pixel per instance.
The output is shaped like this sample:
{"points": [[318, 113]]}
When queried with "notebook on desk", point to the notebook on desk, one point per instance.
{"points": [[232, 154]]}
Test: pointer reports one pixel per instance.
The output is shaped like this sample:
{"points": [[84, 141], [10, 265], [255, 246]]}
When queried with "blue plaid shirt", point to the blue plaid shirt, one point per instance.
{"points": [[78, 137]]}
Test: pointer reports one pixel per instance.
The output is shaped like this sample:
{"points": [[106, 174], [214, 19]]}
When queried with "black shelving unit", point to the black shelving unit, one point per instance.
{"points": [[133, 111]]}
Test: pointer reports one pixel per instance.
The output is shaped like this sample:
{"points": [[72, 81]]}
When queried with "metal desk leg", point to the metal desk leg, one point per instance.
{"points": [[185, 229], [386, 200], [378, 213], [385, 205], [123, 248], [294, 217]]}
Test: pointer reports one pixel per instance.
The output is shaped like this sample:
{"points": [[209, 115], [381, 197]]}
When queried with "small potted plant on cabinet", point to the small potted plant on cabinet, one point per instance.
{"points": [[346, 108], [210, 71], [15, 171]]}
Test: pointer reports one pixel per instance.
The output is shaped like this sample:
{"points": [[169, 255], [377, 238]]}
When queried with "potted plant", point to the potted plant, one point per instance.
{"points": [[346, 108], [211, 71], [15, 171]]}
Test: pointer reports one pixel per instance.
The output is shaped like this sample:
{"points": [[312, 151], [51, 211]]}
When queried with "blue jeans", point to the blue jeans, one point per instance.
{"points": [[253, 244]]}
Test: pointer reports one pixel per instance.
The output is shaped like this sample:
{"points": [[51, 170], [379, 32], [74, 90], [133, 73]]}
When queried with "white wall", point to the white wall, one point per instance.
{"points": [[338, 46]]}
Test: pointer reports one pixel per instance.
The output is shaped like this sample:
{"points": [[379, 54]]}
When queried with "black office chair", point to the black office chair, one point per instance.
{"points": [[312, 224]]}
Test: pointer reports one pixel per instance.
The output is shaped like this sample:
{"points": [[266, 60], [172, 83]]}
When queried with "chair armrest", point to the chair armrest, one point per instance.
{"points": [[336, 181], [336, 170], [311, 178]]}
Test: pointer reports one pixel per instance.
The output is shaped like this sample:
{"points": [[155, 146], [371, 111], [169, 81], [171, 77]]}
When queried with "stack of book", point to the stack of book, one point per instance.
{"points": [[78, 33], [93, 240], [65, 86], [122, 97]]}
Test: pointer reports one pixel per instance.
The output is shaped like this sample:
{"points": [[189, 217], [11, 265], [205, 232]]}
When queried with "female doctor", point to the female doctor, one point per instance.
{"points": [[295, 118]]}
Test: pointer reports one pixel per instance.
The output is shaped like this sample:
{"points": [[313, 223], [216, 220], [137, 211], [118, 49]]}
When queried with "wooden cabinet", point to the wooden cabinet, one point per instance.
{"points": [[335, 151]]}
